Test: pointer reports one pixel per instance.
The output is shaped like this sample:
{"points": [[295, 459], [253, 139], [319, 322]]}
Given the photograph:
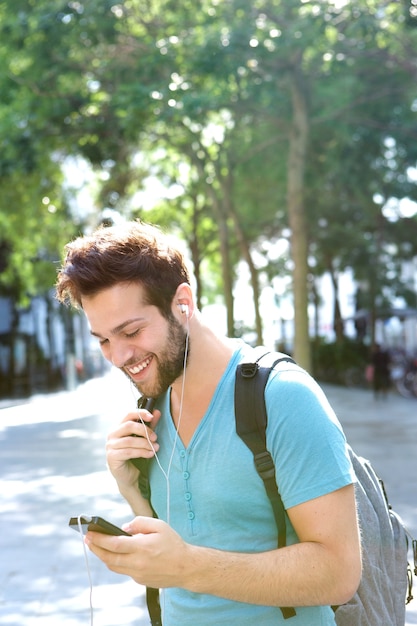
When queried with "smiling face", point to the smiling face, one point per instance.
{"points": [[136, 338]]}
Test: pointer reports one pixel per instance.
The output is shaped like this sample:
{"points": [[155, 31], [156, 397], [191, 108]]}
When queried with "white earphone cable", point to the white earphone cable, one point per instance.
{"points": [[177, 430], [168, 471], [90, 580]]}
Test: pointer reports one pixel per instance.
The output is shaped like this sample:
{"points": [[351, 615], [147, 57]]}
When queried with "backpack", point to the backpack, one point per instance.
{"points": [[386, 584]]}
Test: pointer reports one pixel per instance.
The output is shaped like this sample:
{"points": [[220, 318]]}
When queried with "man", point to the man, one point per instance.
{"points": [[212, 549], [381, 379]]}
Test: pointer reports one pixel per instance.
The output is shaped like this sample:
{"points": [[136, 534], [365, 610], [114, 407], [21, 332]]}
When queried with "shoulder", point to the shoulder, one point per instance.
{"points": [[294, 387]]}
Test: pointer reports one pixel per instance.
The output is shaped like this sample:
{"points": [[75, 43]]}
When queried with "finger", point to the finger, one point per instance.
{"points": [[142, 416], [119, 556], [131, 447], [132, 427], [133, 416], [143, 525], [156, 417], [100, 542], [150, 418]]}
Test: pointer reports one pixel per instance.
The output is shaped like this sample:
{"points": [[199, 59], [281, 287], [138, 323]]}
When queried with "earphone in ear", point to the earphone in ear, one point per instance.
{"points": [[184, 309]]}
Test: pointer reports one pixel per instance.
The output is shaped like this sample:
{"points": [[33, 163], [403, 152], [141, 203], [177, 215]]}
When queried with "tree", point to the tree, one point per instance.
{"points": [[373, 111], [265, 101]]}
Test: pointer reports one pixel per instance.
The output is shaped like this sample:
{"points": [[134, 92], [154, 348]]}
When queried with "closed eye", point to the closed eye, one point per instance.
{"points": [[133, 334]]}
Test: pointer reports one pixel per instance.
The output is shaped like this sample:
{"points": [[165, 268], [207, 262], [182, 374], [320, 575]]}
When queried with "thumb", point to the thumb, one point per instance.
{"points": [[141, 524], [156, 416]]}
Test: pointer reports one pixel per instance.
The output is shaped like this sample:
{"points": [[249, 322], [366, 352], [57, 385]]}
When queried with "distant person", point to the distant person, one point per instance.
{"points": [[213, 549], [381, 380]]}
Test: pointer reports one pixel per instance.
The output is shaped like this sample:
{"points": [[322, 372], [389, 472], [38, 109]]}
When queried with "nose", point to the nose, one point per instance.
{"points": [[119, 355]]}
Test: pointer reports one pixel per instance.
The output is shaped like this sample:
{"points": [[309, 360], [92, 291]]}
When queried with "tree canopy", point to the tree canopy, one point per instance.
{"points": [[271, 118]]}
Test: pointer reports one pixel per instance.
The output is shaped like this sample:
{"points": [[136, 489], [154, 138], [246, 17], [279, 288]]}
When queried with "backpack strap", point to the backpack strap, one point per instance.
{"points": [[152, 595], [154, 607], [251, 421]]}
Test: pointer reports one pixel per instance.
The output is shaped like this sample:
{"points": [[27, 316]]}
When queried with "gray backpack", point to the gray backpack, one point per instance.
{"points": [[386, 585]]}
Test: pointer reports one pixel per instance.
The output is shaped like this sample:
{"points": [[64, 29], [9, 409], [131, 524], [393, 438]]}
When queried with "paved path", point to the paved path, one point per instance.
{"points": [[52, 466]]}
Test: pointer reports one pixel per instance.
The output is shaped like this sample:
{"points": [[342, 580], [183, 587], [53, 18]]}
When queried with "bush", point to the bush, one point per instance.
{"points": [[332, 361]]}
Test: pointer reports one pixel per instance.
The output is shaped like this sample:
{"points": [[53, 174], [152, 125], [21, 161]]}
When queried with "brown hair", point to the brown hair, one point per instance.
{"points": [[131, 252]]}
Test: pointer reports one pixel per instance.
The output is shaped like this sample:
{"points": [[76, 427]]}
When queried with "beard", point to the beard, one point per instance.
{"points": [[170, 361]]}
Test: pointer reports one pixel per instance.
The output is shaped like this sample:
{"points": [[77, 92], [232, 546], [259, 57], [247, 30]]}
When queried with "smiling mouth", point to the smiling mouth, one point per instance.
{"points": [[137, 369]]}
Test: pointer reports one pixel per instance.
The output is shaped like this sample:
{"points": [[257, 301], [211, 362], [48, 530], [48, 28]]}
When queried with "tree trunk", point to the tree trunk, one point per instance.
{"points": [[224, 244], [297, 221], [195, 252], [246, 254], [227, 276]]}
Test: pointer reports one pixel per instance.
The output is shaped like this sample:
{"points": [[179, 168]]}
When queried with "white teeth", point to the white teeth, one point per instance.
{"points": [[139, 368]]}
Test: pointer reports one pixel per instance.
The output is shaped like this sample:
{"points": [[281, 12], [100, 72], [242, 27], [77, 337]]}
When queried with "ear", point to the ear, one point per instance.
{"points": [[183, 302]]}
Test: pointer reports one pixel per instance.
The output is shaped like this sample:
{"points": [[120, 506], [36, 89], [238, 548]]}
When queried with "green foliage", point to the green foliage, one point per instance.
{"points": [[34, 228], [205, 87]]}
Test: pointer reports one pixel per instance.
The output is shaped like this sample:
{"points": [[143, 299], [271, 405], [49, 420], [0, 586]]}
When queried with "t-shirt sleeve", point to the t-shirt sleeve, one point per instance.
{"points": [[305, 438]]}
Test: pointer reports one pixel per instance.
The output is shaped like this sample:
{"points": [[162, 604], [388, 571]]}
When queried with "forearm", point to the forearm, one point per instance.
{"points": [[305, 574], [324, 568]]}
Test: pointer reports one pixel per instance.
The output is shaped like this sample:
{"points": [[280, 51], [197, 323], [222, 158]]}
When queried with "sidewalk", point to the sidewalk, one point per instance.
{"points": [[52, 466]]}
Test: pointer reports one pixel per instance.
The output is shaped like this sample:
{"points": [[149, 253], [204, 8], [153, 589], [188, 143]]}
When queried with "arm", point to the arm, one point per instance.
{"points": [[130, 441], [324, 568]]}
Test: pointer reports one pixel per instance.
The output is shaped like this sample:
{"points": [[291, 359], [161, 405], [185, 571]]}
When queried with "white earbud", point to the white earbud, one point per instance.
{"points": [[184, 309]]}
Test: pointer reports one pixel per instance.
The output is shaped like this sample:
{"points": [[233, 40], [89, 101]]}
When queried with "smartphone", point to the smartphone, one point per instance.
{"points": [[146, 403], [96, 523], [149, 405]]}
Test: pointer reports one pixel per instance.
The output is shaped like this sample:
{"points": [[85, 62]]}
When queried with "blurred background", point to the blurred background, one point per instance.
{"points": [[276, 139]]}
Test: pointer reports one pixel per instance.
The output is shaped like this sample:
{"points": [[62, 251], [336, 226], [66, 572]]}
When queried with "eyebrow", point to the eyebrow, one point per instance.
{"points": [[118, 329]]}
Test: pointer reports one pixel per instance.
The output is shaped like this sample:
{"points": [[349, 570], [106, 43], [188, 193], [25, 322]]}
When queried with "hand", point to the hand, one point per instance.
{"points": [[154, 556], [131, 440]]}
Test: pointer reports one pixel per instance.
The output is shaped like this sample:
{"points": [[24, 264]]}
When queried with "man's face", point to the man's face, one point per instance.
{"points": [[136, 338]]}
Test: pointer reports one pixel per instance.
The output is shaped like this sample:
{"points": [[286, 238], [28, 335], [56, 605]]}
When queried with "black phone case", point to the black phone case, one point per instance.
{"points": [[96, 523]]}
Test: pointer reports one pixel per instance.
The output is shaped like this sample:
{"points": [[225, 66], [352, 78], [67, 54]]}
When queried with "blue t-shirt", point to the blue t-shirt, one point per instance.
{"points": [[211, 494]]}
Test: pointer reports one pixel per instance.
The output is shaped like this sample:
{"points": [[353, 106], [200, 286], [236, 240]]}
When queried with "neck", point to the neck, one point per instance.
{"points": [[208, 359]]}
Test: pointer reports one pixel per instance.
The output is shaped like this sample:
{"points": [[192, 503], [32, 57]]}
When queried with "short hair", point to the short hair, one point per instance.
{"points": [[131, 252]]}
